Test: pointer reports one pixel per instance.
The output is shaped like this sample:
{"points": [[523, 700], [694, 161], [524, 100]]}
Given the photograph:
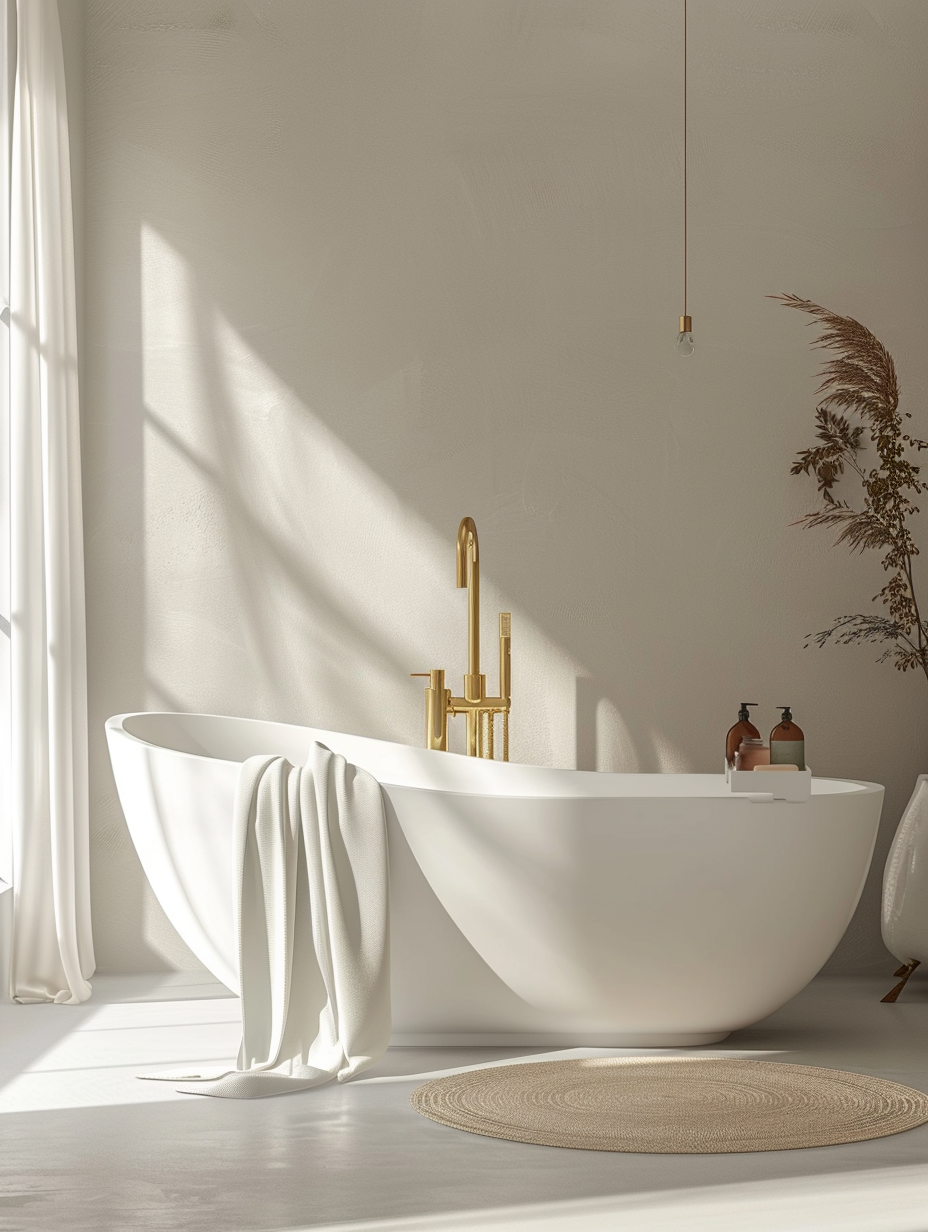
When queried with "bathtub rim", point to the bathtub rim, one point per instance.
{"points": [[117, 724]]}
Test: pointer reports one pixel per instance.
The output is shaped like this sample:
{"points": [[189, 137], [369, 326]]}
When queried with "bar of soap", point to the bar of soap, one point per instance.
{"points": [[796, 768]]}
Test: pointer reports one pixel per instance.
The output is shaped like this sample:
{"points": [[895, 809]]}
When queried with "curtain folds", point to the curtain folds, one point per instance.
{"points": [[52, 950]]}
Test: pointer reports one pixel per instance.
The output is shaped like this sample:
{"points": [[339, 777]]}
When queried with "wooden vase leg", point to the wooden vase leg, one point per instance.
{"points": [[905, 971]]}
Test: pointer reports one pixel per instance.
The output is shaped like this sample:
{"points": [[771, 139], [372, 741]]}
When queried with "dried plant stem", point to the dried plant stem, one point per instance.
{"points": [[920, 649], [860, 378]]}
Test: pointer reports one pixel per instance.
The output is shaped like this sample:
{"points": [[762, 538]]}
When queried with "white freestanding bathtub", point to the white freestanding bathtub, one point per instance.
{"points": [[530, 905]]}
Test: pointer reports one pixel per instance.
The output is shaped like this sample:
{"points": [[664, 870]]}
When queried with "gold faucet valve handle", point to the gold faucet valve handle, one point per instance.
{"points": [[436, 678]]}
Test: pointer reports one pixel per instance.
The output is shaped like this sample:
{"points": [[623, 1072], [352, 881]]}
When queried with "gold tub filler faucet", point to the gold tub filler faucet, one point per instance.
{"points": [[479, 709]]}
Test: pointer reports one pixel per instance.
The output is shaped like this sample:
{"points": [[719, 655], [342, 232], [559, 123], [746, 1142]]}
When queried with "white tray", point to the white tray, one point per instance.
{"points": [[794, 786]]}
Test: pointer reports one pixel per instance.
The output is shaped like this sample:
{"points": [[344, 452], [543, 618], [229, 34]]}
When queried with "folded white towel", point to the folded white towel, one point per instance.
{"points": [[313, 928]]}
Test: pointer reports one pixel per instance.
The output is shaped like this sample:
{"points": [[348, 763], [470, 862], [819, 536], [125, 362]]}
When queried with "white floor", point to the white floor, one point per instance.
{"points": [[85, 1145]]}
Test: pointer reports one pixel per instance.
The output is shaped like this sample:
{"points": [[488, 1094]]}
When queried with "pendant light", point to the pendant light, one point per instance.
{"points": [[685, 344]]}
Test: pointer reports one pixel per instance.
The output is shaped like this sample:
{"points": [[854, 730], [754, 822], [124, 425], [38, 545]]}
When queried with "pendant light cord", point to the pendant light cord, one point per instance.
{"points": [[685, 142]]}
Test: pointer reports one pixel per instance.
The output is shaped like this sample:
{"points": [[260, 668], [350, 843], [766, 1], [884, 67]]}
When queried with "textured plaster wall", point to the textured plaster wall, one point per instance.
{"points": [[355, 269]]}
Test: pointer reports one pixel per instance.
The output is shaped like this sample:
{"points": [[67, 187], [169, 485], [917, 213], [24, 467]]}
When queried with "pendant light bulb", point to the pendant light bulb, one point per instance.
{"points": [[685, 343]]}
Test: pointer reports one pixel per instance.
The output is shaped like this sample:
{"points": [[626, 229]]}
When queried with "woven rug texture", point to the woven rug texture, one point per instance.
{"points": [[672, 1105]]}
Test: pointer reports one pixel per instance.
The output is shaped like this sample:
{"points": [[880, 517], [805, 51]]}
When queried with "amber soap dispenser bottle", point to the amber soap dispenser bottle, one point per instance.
{"points": [[744, 729], [787, 743]]}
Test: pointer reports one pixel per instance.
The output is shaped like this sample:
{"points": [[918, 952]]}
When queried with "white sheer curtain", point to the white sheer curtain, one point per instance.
{"points": [[52, 950]]}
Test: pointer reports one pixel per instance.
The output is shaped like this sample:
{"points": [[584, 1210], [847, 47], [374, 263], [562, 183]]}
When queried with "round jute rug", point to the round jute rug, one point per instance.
{"points": [[673, 1105]]}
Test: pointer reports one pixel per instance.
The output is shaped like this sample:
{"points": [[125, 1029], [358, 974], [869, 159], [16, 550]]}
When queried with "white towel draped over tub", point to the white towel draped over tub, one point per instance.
{"points": [[313, 928]]}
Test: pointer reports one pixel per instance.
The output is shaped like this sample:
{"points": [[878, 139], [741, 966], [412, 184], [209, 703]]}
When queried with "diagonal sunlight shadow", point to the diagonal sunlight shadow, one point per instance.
{"points": [[30, 1033], [92, 1059], [87, 1055], [386, 314], [298, 572], [258, 501]]}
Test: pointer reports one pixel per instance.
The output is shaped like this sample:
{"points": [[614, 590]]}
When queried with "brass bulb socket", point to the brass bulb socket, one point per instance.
{"points": [[686, 325]]}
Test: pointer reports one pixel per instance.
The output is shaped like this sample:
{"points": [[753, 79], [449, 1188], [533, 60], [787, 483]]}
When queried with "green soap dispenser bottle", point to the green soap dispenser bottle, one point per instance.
{"points": [[787, 743], [743, 729]]}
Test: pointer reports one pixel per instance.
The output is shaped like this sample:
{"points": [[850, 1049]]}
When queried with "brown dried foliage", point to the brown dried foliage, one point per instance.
{"points": [[860, 379]]}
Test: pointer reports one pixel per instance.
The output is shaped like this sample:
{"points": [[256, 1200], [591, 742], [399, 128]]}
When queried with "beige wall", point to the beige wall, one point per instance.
{"points": [[356, 268]]}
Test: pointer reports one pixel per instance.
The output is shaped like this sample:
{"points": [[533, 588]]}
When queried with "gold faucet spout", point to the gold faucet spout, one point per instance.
{"points": [[467, 543], [468, 574]]}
